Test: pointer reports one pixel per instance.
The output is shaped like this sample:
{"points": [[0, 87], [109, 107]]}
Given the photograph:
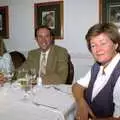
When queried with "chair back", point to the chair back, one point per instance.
{"points": [[70, 71], [2, 47], [17, 58]]}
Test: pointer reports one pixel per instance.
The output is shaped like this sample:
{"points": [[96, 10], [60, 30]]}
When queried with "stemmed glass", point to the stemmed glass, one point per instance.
{"points": [[24, 80], [9, 76], [32, 74], [7, 79], [33, 81]]}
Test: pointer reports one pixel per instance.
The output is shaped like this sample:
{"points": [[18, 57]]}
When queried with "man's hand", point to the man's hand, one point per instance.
{"points": [[2, 79]]}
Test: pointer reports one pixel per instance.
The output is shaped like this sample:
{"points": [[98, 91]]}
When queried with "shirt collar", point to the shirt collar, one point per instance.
{"points": [[109, 68], [46, 52]]}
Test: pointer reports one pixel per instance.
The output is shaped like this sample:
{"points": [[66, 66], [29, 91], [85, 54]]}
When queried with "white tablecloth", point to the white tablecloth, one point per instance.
{"points": [[13, 107]]}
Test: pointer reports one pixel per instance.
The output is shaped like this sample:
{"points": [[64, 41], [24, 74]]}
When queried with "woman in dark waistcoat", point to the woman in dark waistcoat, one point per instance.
{"points": [[97, 94]]}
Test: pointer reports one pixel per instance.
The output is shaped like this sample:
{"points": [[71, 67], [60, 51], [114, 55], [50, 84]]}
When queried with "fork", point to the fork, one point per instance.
{"points": [[39, 104]]}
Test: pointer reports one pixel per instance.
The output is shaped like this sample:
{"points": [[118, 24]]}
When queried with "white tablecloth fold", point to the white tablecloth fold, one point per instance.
{"points": [[47, 103]]}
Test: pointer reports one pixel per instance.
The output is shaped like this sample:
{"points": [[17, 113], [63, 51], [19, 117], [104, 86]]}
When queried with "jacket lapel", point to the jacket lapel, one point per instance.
{"points": [[50, 59], [37, 62]]}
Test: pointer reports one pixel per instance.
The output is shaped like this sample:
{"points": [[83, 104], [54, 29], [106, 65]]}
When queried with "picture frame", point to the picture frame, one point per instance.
{"points": [[4, 25], [50, 14], [110, 11]]}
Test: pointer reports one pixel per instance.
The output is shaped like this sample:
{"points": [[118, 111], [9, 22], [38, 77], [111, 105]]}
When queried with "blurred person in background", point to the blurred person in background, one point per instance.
{"points": [[6, 64]]}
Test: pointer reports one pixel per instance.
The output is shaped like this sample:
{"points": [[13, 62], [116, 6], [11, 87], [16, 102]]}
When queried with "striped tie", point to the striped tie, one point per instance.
{"points": [[43, 65], [103, 71]]}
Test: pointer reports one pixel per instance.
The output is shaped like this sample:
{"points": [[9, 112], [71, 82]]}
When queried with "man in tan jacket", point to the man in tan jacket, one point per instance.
{"points": [[56, 63]]}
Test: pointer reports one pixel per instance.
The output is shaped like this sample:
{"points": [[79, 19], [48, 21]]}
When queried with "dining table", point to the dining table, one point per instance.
{"points": [[45, 102]]}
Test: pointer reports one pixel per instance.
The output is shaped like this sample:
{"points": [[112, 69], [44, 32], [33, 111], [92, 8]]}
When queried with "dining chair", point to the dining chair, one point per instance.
{"points": [[18, 58], [70, 71]]}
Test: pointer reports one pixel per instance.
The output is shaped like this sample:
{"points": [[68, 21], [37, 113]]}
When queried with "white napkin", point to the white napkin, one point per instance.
{"points": [[48, 95]]}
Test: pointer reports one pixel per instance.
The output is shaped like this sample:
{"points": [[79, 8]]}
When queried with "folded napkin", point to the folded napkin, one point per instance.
{"points": [[57, 96]]}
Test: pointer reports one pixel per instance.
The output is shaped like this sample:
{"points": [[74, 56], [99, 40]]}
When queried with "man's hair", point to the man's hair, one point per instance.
{"points": [[44, 26], [107, 28]]}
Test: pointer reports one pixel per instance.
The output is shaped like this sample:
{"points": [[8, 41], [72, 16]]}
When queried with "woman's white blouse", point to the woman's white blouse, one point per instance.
{"points": [[101, 81], [6, 64]]}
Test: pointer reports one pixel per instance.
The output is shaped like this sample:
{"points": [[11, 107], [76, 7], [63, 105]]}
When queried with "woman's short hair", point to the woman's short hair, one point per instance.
{"points": [[109, 29]]}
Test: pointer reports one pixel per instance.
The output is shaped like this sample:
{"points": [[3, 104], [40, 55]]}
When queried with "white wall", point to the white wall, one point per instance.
{"points": [[79, 15]]}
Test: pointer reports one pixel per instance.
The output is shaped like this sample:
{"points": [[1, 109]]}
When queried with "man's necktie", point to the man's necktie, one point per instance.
{"points": [[43, 65], [103, 71]]}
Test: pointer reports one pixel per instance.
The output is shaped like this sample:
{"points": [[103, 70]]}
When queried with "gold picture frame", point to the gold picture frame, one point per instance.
{"points": [[109, 11], [50, 14]]}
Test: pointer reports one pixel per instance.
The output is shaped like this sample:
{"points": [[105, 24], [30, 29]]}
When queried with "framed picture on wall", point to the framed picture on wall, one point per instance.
{"points": [[4, 26], [50, 14], [110, 11]]}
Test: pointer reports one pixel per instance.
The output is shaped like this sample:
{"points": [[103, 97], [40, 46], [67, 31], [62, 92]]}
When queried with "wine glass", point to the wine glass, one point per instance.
{"points": [[9, 76], [24, 80], [7, 80], [32, 74]]}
